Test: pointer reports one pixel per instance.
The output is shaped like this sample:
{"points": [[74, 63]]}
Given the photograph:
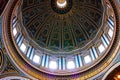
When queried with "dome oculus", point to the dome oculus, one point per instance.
{"points": [[61, 3], [61, 6]]}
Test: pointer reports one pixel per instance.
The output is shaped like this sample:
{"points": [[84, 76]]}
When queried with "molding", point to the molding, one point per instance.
{"points": [[110, 70]]}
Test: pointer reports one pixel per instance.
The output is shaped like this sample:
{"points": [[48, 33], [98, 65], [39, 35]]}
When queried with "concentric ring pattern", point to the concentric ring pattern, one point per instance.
{"points": [[71, 30]]}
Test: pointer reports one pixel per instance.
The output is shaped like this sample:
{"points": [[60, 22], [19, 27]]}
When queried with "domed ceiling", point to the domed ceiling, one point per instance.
{"points": [[62, 25]]}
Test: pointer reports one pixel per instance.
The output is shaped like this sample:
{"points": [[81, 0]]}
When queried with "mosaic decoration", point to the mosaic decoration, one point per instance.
{"points": [[9, 68]]}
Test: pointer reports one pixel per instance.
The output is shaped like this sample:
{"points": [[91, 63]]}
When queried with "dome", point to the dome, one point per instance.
{"points": [[62, 29], [61, 38]]}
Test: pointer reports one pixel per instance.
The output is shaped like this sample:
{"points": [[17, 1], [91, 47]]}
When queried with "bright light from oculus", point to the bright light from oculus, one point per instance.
{"points": [[70, 65], [53, 65], [61, 3]]}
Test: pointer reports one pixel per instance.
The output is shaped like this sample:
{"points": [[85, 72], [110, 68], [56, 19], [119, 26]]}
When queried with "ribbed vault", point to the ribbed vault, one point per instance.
{"points": [[62, 30]]}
